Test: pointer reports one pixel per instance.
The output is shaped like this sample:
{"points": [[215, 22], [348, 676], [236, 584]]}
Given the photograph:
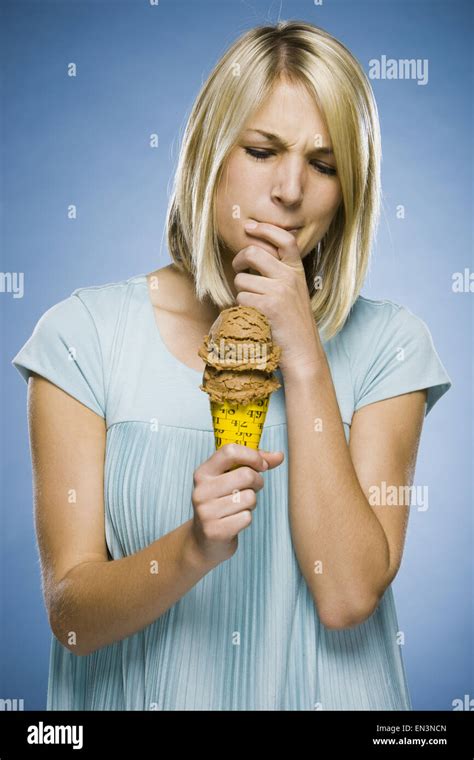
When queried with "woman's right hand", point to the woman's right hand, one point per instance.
{"points": [[223, 498]]}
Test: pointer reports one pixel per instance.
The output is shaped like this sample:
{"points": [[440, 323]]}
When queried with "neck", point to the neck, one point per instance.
{"points": [[207, 311]]}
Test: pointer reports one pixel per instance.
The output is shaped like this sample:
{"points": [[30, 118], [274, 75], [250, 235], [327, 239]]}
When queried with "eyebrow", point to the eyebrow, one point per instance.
{"points": [[283, 144]]}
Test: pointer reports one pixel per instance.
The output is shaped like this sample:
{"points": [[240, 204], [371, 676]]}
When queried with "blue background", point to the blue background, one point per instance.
{"points": [[85, 140]]}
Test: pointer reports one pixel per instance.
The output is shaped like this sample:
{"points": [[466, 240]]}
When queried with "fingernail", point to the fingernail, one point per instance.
{"points": [[250, 225], [265, 464]]}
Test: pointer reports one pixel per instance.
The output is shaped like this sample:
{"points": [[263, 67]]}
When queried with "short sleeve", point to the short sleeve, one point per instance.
{"points": [[402, 359], [65, 349]]}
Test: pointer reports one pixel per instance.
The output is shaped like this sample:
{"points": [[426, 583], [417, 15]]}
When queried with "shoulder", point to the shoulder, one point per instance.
{"points": [[374, 324], [72, 342], [103, 301], [93, 307], [390, 351], [368, 314]]}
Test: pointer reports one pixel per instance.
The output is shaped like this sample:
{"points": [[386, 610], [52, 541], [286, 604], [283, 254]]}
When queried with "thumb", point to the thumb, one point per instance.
{"points": [[274, 458]]}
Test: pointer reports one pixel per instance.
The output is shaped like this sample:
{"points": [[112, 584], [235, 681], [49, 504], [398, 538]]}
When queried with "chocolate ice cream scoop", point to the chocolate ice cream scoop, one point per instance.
{"points": [[241, 387], [240, 339], [240, 357]]}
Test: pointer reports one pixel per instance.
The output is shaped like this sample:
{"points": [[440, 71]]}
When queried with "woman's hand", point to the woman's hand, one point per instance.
{"points": [[281, 293], [223, 501]]}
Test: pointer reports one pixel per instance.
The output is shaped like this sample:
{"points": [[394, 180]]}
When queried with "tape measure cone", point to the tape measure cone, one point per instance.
{"points": [[237, 423]]}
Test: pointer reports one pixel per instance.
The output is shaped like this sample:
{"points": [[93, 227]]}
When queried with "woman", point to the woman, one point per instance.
{"points": [[164, 590]]}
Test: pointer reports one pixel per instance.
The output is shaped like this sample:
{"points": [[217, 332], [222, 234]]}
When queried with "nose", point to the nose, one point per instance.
{"points": [[288, 181]]}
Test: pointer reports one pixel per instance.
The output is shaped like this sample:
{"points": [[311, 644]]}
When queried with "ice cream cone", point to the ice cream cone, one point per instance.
{"points": [[239, 423], [238, 377]]}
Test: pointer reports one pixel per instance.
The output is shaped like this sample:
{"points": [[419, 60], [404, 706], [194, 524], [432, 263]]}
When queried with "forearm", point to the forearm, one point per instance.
{"points": [[339, 542], [98, 603]]}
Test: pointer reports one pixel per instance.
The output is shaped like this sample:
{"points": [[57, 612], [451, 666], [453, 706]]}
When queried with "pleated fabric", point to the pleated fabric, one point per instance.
{"points": [[247, 636]]}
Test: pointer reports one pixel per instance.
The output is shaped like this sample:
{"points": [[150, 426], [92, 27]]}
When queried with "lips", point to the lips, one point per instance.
{"points": [[282, 226]]}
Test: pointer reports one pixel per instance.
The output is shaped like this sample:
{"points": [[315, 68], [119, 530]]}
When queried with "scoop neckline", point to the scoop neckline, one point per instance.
{"points": [[154, 325]]}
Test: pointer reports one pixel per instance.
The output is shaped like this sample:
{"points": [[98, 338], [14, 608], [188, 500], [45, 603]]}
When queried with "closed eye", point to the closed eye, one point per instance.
{"points": [[262, 155]]}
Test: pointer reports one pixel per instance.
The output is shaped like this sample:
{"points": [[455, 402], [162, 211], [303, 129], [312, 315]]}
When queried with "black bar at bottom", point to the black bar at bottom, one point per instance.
{"points": [[77, 734]]}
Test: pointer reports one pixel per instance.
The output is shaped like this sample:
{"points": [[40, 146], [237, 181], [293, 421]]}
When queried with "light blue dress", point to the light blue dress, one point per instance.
{"points": [[247, 636]]}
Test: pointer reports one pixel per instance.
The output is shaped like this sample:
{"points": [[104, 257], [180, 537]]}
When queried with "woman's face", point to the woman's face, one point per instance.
{"points": [[292, 186]]}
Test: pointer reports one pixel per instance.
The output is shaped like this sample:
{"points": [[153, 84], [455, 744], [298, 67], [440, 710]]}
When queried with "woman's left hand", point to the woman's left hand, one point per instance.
{"points": [[280, 292]]}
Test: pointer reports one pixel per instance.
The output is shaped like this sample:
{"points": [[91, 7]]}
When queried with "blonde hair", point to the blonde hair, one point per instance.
{"points": [[238, 85]]}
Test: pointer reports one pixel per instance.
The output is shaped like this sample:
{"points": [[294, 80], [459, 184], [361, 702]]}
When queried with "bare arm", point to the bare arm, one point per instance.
{"points": [[100, 602], [92, 600], [349, 551]]}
